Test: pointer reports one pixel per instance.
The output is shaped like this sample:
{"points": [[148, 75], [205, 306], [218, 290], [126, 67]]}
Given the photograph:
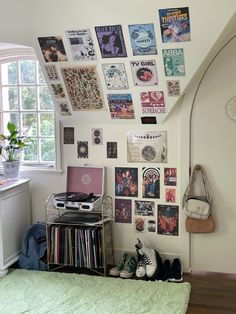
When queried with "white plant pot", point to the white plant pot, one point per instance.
{"points": [[11, 169]]}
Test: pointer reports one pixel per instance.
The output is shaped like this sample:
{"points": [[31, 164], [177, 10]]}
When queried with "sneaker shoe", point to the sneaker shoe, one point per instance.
{"points": [[141, 266], [175, 271], [115, 271], [129, 268], [166, 270]]}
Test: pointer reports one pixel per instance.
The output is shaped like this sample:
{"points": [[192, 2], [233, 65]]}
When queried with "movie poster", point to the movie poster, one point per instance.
{"points": [[52, 73], [126, 182], [151, 182], [53, 49], [173, 88], [123, 210], [81, 44], [175, 25], [147, 146], [144, 72], [143, 39], [168, 220], [83, 87], [170, 195], [153, 102], [111, 41], [121, 106], [173, 60], [170, 176], [115, 76], [144, 208]]}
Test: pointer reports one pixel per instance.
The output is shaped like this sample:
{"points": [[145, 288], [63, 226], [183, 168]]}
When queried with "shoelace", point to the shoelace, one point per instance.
{"points": [[129, 263], [145, 259], [121, 263]]}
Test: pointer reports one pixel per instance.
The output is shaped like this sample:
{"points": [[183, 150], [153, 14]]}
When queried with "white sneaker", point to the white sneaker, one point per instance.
{"points": [[149, 259]]}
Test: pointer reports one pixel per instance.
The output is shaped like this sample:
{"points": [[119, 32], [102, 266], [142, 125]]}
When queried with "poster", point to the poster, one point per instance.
{"points": [[139, 223], [51, 72], [173, 87], [82, 149], [144, 72], [151, 225], [121, 106], [151, 182], [170, 195], [173, 60], [147, 146], [144, 208], [53, 49], [115, 76], [83, 87], [111, 41], [143, 39], [170, 176], [168, 220], [153, 102], [112, 151], [123, 210], [81, 44], [126, 181], [69, 135], [175, 25]]}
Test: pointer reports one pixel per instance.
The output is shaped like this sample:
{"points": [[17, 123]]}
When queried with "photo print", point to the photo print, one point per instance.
{"points": [[69, 135], [143, 39], [53, 49], [121, 106], [175, 25], [64, 108], [51, 72], [82, 149], [173, 60], [170, 195], [173, 88], [115, 76], [147, 146], [97, 137], [111, 149], [123, 210], [81, 44], [170, 176], [168, 220], [111, 41], [58, 91], [150, 182], [153, 102], [126, 181], [151, 225], [144, 72], [83, 87], [144, 208], [139, 223]]}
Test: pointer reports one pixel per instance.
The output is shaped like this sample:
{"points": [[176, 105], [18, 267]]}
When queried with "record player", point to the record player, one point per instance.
{"points": [[84, 189]]}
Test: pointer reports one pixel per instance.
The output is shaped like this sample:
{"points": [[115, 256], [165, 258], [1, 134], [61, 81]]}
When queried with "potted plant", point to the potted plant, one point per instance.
{"points": [[10, 147]]}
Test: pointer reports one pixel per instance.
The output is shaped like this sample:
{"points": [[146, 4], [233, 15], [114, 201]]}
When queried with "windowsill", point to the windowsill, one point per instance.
{"points": [[33, 169]]}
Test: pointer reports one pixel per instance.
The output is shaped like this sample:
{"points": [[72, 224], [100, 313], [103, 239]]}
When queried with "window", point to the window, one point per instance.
{"points": [[25, 100]]}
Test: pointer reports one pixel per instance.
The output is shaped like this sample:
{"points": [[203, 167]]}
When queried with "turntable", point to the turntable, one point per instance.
{"points": [[85, 188]]}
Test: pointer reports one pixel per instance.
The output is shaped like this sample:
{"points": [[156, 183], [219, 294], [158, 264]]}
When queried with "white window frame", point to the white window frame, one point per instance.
{"points": [[11, 53]]}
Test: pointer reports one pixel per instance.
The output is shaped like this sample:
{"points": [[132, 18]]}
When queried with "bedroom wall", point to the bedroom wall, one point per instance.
{"points": [[46, 19]]}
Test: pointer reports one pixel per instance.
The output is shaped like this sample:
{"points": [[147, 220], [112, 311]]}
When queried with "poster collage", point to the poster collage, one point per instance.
{"points": [[73, 67], [82, 83]]}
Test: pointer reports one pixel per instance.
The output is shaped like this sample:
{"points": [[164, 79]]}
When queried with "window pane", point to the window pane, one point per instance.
{"points": [[41, 76], [29, 124], [28, 98], [12, 117], [10, 98], [31, 152], [45, 99], [27, 72], [47, 149], [9, 73], [47, 124]]}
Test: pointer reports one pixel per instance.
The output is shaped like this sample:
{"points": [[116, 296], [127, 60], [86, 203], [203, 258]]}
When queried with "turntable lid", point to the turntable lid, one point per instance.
{"points": [[85, 179]]}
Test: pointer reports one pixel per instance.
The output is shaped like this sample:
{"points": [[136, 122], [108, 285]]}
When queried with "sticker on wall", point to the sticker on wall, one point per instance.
{"points": [[81, 44], [82, 149], [139, 223], [150, 182], [111, 41], [170, 195], [97, 136], [69, 136], [144, 208], [126, 181], [52, 73], [53, 49], [173, 88], [121, 106], [111, 149], [151, 225], [83, 87], [175, 25], [153, 102], [115, 76], [170, 176], [173, 60], [123, 210], [64, 108], [168, 220], [143, 39], [147, 146], [58, 91], [144, 72]]}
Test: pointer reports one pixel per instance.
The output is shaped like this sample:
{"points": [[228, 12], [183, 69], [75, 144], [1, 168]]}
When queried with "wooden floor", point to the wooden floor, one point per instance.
{"points": [[211, 293]]}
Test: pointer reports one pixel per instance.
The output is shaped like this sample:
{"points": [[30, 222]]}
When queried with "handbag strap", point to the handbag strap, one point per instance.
{"points": [[189, 190]]}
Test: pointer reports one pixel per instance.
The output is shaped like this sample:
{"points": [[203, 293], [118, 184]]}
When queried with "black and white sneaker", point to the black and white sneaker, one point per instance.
{"points": [[176, 274]]}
